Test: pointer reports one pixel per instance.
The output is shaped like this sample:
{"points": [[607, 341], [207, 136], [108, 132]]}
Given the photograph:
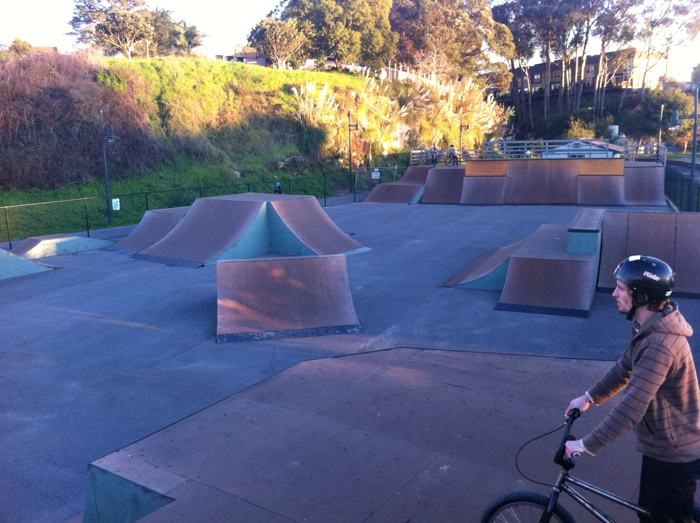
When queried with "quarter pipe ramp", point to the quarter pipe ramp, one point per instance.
{"points": [[154, 226]]}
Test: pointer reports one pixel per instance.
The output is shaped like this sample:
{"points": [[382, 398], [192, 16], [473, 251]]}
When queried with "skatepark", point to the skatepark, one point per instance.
{"points": [[120, 405]]}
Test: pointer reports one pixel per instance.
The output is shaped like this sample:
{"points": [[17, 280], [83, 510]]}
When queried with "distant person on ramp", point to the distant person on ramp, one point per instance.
{"points": [[453, 155], [661, 398], [278, 188], [434, 153]]}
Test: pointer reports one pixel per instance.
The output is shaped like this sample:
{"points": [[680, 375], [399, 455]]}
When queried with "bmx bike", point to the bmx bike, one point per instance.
{"points": [[452, 160], [529, 507]]}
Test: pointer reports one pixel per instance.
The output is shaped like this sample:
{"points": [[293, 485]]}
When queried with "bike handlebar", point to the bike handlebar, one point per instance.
{"points": [[560, 457]]}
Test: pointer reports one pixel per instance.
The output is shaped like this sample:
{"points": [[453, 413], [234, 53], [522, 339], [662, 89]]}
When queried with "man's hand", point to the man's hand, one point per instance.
{"points": [[574, 446], [581, 403]]}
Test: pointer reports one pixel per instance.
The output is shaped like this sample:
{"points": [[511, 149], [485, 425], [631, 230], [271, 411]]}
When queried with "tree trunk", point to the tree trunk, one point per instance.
{"points": [[516, 93]]}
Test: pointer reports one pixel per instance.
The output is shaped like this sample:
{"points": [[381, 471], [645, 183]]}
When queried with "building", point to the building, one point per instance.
{"points": [[625, 70]]}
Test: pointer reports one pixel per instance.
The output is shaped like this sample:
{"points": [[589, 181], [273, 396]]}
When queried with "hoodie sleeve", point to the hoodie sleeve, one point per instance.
{"points": [[649, 373], [613, 381]]}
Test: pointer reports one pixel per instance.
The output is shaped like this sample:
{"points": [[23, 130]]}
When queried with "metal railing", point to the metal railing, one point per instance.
{"points": [[677, 187], [426, 157], [538, 149], [84, 214]]}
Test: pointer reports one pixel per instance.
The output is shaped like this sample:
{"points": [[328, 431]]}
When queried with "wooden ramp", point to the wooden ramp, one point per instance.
{"points": [[408, 189], [671, 237], [251, 224], [488, 271], [444, 185], [56, 244], [286, 297], [544, 278], [154, 226]]}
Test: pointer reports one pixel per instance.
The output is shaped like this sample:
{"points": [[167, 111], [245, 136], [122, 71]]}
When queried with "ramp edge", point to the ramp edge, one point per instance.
{"points": [[297, 333]]}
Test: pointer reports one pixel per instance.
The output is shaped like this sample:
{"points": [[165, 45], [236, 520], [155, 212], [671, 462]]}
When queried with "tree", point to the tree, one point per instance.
{"points": [[21, 47], [666, 24], [123, 31], [87, 14], [163, 40], [348, 30], [464, 31], [695, 75], [187, 38], [279, 40]]}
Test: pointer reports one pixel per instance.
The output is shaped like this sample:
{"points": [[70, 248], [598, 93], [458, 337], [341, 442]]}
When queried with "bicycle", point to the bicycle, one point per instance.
{"points": [[529, 507], [452, 160]]}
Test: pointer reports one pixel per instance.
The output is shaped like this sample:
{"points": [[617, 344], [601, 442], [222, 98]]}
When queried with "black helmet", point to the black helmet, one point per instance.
{"points": [[650, 280]]}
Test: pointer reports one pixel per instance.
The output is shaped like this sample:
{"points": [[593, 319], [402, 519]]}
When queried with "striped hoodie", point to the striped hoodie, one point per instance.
{"points": [[661, 398]]}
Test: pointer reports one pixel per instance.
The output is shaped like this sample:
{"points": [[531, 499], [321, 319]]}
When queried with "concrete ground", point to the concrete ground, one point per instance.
{"points": [[109, 350]]}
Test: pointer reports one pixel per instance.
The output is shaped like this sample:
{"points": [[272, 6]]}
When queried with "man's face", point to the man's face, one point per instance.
{"points": [[623, 297]]}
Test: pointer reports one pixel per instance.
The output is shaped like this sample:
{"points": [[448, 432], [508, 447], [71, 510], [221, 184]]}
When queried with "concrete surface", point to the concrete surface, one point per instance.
{"points": [[110, 350]]}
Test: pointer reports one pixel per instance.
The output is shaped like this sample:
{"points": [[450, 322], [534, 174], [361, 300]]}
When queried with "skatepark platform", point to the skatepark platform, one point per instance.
{"points": [[12, 265], [429, 403], [672, 237], [290, 297], [573, 181], [246, 225]]}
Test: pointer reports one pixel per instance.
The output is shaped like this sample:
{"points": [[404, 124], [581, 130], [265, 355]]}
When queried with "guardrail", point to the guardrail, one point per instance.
{"points": [[538, 149]]}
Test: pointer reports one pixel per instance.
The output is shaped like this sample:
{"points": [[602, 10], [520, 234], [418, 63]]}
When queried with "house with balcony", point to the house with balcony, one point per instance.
{"points": [[625, 71]]}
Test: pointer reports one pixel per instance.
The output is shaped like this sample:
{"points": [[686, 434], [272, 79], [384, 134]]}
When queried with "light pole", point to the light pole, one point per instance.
{"points": [[676, 122], [110, 137], [467, 127], [356, 127]]}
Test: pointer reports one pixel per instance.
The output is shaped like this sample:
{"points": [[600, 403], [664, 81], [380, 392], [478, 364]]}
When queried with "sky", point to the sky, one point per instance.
{"points": [[226, 22]]}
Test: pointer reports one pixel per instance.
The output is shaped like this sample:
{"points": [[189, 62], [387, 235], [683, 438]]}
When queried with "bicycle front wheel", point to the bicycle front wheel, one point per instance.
{"points": [[523, 507]]}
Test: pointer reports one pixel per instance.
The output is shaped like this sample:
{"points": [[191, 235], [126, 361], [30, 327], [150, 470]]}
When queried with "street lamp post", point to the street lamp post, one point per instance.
{"points": [[467, 127], [108, 137], [356, 127], [676, 122]]}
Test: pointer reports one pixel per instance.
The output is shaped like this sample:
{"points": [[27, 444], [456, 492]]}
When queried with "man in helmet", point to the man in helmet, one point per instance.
{"points": [[278, 188], [661, 398]]}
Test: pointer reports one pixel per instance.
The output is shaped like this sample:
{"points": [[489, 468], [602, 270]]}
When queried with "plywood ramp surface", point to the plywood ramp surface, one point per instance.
{"points": [[544, 278], [313, 227], [541, 182], [671, 237], [154, 226], [296, 296], [211, 226], [398, 192], [444, 185], [485, 264]]}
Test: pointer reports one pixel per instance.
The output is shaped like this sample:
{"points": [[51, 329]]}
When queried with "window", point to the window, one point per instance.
{"points": [[554, 87], [557, 75], [537, 78], [574, 155], [589, 81], [590, 70]]}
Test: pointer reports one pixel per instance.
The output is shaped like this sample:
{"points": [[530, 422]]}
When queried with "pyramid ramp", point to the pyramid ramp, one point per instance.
{"points": [[54, 245], [154, 226], [12, 265], [251, 224], [289, 297]]}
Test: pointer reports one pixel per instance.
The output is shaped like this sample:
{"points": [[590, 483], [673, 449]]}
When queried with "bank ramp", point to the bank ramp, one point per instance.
{"points": [[53, 245], [283, 297]]}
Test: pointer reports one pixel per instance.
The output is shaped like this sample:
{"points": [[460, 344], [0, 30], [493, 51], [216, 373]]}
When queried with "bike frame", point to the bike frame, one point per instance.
{"points": [[562, 485]]}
